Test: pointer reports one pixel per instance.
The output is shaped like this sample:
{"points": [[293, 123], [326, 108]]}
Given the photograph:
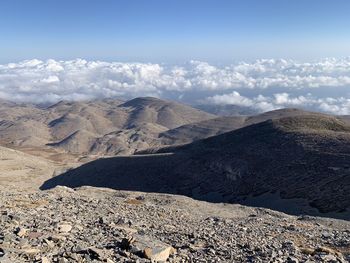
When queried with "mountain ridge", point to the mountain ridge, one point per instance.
{"points": [[261, 158]]}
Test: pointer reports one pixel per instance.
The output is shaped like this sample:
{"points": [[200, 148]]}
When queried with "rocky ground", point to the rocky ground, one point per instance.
{"points": [[99, 225]]}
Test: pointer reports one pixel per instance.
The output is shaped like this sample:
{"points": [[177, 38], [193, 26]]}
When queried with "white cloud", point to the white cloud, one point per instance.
{"points": [[339, 106], [233, 98], [50, 81]]}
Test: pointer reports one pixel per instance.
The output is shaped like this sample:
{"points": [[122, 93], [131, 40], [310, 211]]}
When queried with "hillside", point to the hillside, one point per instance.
{"points": [[200, 130], [93, 127], [162, 112], [23, 171], [302, 158]]}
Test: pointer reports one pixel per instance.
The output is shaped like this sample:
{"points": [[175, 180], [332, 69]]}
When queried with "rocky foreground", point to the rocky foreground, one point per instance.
{"points": [[99, 225]]}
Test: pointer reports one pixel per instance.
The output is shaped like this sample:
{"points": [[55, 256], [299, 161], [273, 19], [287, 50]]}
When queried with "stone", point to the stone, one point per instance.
{"points": [[64, 228], [34, 235], [23, 243], [96, 253], [291, 259], [152, 249], [49, 243], [330, 258], [126, 229], [126, 242], [21, 232], [45, 260], [31, 251], [63, 260], [57, 238], [158, 254]]}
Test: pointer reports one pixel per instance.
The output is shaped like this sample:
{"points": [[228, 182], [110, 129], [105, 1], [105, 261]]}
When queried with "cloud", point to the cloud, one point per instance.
{"points": [[339, 106], [233, 98], [39, 81]]}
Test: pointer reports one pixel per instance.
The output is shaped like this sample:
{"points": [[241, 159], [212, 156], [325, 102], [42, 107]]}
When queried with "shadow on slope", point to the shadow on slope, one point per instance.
{"points": [[305, 158], [135, 173]]}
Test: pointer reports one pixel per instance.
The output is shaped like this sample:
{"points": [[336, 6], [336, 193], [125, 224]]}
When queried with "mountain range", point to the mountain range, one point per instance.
{"points": [[289, 159], [287, 154], [96, 127]]}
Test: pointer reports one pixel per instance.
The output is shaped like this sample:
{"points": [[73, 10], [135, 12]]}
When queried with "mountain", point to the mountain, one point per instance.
{"points": [[200, 130], [165, 113], [113, 127], [93, 127], [303, 158]]}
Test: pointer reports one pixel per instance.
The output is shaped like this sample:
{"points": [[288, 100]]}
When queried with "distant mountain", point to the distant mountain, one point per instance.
{"points": [[227, 110], [162, 112], [305, 157], [114, 127], [94, 127]]}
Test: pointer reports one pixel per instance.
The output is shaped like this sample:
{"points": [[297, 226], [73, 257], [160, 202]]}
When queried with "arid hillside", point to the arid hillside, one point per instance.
{"points": [[302, 157]]}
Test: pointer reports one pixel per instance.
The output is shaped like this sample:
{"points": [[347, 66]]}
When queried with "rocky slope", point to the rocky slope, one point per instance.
{"points": [[289, 160], [295, 158], [99, 225]]}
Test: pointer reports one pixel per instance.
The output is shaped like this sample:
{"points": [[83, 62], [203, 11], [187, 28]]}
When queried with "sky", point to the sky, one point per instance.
{"points": [[217, 31], [252, 53]]}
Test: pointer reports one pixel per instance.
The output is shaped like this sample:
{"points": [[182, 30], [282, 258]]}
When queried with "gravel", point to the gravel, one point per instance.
{"points": [[99, 225]]}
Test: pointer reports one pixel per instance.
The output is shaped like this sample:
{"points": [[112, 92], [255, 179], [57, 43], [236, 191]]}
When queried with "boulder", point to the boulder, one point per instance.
{"points": [[150, 248]]}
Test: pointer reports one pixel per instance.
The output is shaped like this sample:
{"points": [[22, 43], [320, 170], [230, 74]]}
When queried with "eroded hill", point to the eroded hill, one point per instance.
{"points": [[107, 127]]}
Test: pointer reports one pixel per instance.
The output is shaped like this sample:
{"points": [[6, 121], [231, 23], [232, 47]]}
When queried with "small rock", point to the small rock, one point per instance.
{"points": [[30, 251], [57, 238], [330, 258], [49, 243], [95, 253], [291, 259], [21, 232], [64, 228], [34, 235], [126, 242], [45, 260]]}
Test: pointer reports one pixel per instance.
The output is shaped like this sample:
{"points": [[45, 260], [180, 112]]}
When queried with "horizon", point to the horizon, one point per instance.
{"points": [[47, 105]]}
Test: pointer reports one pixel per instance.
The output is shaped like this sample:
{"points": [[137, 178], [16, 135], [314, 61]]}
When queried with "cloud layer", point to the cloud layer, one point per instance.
{"points": [[338, 105], [298, 84]]}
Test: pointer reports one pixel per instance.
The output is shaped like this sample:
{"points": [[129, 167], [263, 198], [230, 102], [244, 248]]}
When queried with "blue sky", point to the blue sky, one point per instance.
{"points": [[218, 31], [262, 54]]}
